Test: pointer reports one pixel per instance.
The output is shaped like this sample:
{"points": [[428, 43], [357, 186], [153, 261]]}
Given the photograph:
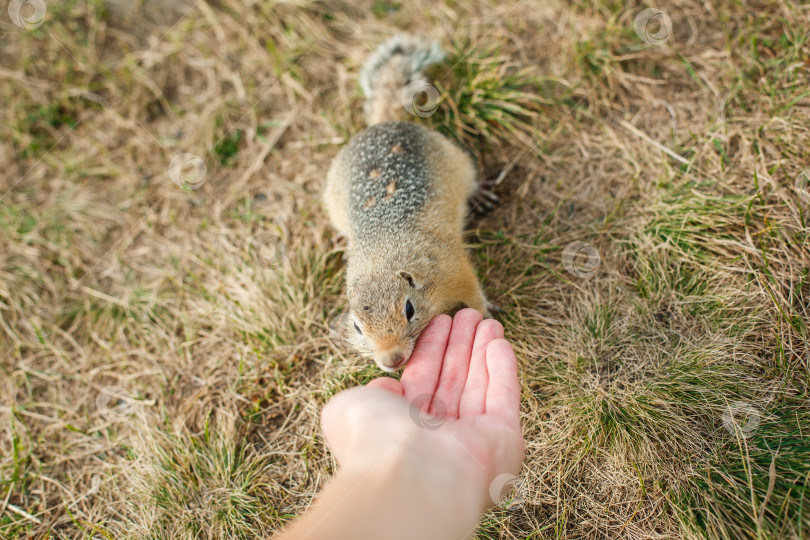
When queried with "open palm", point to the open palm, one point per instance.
{"points": [[458, 400]]}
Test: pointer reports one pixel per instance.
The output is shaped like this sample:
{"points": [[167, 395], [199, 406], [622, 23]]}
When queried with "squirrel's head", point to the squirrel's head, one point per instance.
{"points": [[387, 312]]}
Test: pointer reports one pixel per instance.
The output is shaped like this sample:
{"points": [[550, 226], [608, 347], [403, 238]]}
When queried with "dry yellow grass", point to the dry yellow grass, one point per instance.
{"points": [[164, 352]]}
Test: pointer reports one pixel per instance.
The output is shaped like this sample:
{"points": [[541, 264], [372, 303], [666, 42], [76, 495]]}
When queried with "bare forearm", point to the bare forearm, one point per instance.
{"points": [[394, 501]]}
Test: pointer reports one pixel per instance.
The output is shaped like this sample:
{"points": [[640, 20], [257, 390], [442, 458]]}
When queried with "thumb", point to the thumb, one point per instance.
{"points": [[358, 416], [387, 383]]}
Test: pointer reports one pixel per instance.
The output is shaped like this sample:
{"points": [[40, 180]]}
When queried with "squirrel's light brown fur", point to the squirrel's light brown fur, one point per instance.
{"points": [[398, 192]]}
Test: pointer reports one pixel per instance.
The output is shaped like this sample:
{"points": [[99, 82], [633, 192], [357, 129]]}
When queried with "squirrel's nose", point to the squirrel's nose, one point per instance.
{"points": [[393, 358], [396, 361]]}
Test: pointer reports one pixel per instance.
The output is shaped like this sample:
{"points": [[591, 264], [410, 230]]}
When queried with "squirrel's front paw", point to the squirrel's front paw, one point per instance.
{"points": [[492, 310], [484, 200], [338, 239]]}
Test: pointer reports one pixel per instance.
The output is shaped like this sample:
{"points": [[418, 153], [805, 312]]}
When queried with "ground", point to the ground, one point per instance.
{"points": [[168, 275]]}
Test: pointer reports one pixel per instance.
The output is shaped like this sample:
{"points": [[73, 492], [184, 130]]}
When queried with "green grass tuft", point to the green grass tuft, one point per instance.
{"points": [[486, 95], [755, 486]]}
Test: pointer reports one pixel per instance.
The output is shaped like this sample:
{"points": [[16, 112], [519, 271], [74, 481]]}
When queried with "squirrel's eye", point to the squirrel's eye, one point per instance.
{"points": [[409, 311], [358, 329]]}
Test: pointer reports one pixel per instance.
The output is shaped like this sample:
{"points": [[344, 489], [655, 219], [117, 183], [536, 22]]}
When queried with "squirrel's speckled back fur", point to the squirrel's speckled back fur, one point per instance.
{"points": [[398, 192], [388, 164]]}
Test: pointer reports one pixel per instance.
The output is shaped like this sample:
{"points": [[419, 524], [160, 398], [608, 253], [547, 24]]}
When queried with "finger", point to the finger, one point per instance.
{"points": [[456, 362], [387, 383], [422, 372], [350, 408], [503, 392], [336, 420], [473, 399]]}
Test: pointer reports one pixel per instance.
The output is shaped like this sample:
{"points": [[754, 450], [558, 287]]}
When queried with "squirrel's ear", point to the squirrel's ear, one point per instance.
{"points": [[337, 329], [407, 277]]}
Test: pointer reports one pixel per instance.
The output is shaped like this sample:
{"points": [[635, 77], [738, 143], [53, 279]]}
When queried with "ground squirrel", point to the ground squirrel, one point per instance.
{"points": [[399, 192]]}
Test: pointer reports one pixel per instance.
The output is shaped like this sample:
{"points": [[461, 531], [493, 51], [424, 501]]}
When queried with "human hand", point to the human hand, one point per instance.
{"points": [[455, 412]]}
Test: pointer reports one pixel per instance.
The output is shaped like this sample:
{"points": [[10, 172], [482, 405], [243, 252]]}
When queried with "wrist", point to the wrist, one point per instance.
{"points": [[417, 461], [446, 495]]}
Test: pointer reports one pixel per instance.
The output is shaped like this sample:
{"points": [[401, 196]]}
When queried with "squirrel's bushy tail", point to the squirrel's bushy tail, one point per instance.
{"points": [[392, 78]]}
